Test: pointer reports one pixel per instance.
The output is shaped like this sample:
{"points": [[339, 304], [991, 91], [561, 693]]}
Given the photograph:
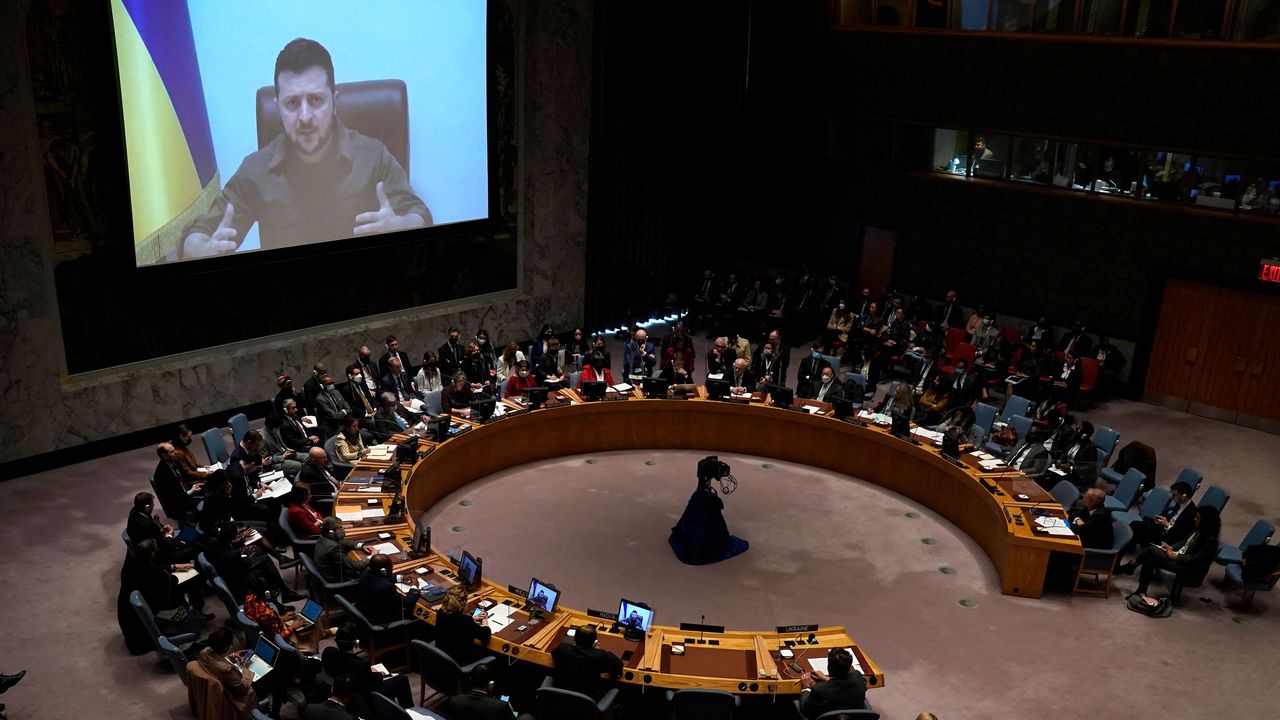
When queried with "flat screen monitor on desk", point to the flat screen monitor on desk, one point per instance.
{"points": [[635, 618], [421, 546], [654, 387], [543, 596], [438, 428], [842, 408], [470, 570], [536, 397], [482, 410], [901, 427], [593, 390], [719, 389], [781, 396], [950, 446]]}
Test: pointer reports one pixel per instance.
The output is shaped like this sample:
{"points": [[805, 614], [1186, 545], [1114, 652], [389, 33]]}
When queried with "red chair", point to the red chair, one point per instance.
{"points": [[1011, 335], [954, 337], [1088, 376], [967, 351]]}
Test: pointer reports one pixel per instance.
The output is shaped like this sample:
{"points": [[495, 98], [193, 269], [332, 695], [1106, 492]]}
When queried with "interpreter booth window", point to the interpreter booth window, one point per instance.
{"points": [[951, 151], [969, 14], [931, 13], [1043, 162], [1261, 193], [1101, 17], [1168, 176], [1199, 19], [1219, 183], [1109, 171], [854, 12], [912, 146], [893, 13], [1256, 20], [1042, 16], [1148, 18], [988, 155]]}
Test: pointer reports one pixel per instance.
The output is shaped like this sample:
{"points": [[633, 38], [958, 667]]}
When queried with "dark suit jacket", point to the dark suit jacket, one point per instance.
{"points": [[401, 386], [723, 365], [810, 372], [953, 316], [835, 392], [1179, 531], [310, 389], [457, 635], [579, 669], [295, 435], [352, 392], [450, 357], [775, 372], [142, 526], [748, 379], [381, 602], [327, 710], [338, 662], [846, 693], [1096, 531], [171, 494], [331, 410], [315, 479], [384, 422], [384, 362], [475, 705]]}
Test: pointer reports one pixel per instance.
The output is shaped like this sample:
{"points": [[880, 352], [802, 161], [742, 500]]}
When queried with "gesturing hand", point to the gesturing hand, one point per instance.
{"points": [[384, 218], [223, 239]]}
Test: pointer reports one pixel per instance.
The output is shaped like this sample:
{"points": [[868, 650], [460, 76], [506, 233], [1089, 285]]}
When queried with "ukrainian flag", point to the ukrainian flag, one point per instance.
{"points": [[173, 174]]}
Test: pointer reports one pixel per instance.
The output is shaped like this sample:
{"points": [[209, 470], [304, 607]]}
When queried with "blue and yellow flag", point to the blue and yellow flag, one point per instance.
{"points": [[173, 173]]}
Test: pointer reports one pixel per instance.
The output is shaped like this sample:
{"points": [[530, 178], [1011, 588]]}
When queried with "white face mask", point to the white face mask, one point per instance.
{"points": [[826, 379], [357, 377]]}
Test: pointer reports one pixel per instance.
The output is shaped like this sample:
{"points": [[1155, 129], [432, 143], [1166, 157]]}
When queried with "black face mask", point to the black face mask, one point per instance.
{"points": [[453, 341], [475, 356]]}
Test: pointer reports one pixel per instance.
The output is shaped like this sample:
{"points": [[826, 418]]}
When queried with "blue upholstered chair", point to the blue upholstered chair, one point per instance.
{"points": [[177, 659], [1015, 406], [1065, 493], [440, 671], [239, 426], [1152, 506], [554, 702], [1259, 534], [378, 639], [1192, 477], [234, 611], [340, 469], [323, 590], [984, 415], [1101, 562], [1215, 497], [148, 618], [1235, 576], [1126, 492], [863, 713], [215, 446], [432, 401], [695, 704], [855, 388], [1105, 439]]}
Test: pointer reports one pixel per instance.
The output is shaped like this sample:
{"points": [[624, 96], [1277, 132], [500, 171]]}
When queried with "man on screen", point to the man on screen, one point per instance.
{"points": [[316, 181]]}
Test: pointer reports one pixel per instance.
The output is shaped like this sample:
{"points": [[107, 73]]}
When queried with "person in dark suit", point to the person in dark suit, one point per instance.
{"points": [[950, 314], [398, 382], [720, 358], [341, 659], [312, 387], [963, 383], [142, 525], [295, 435], [741, 379], [578, 665], [287, 392], [390, 418], [376, 594], [840, 689], [829, 388], [810, 372], [478, 702], [451, 354], [393, 351], [315, 473], [168, 477], [332, 553], [356, 392], [459, 635], [1190, 560], [1092, 521], [639, 356], [768, 365], [332, 409], [1172, 526], [1076, 342], [1066, 382], [339, 705]]}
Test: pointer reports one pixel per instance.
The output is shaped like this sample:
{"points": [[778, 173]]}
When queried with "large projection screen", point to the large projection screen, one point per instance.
{"points": [[225, 156]]}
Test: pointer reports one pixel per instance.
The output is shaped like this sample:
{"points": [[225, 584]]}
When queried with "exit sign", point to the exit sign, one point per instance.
{"points": [[1269, 271]]}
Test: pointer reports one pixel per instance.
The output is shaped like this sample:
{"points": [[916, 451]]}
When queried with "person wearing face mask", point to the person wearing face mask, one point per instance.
{"points": [[780, 355], [987, 340], [810, 372], [368, 370], [836, 336], [356, 393], [595, 369], [390, 418], [507, 361], [639, 356], [474, 366], [520, 380], [332, 409], [429, 378], [962, 383], [767, 367], [579, 347], [598, 346], [393, 351], [488, 351], [452, 353], [458, 396], [550, 372], [311, 388], [828, 388], [539, 346]]}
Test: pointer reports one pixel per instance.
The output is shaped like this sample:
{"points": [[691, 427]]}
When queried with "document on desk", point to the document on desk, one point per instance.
{"points": [[309, 421], [185, 575], [812, 409], [278, 488], [1058, 471], [373, 513], [381, 452], [819, 664], [386, 548], [715, 376], [1054, 525], [623, 387], [211, 468], [929, 435], [499, 617], [355, 516]]}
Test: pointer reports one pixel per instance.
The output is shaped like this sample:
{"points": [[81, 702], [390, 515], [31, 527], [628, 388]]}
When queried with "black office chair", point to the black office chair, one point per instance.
{"points": [[553, 702], [862, 713], [695, 704], [440, 671], [377, 108]]}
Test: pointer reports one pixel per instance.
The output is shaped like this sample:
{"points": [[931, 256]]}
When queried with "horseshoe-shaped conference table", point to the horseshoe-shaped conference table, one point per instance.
{"points": [[986, 505]]}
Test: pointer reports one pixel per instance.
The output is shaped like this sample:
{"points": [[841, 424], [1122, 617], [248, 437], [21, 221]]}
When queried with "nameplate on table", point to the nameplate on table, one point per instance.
{"points": [[602, 614], [790, 629], [517, 591]]}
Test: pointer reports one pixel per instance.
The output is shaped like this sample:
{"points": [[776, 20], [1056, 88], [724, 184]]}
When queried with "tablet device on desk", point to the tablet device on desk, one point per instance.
{"points": [[470, 570], [636, 618]]}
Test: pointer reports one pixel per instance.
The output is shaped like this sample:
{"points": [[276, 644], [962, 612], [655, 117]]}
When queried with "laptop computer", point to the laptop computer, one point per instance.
{"points": [[309, 614], [260, 661]]}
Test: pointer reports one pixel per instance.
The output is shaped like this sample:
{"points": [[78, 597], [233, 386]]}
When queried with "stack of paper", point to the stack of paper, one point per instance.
{"points": [[211, 468], [381, 452], [819, 664], [623, 387], [355, 516], [309, 421], [386, 548], [811, 409], [373, 513], [929, 435], [1053, 525]]}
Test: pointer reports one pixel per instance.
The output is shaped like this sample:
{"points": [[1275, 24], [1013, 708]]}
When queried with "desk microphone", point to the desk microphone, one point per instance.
{"points": [[703, 631]]}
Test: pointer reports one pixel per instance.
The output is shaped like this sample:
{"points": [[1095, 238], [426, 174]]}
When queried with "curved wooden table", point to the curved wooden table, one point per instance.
{"points": [[983, 505]]}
